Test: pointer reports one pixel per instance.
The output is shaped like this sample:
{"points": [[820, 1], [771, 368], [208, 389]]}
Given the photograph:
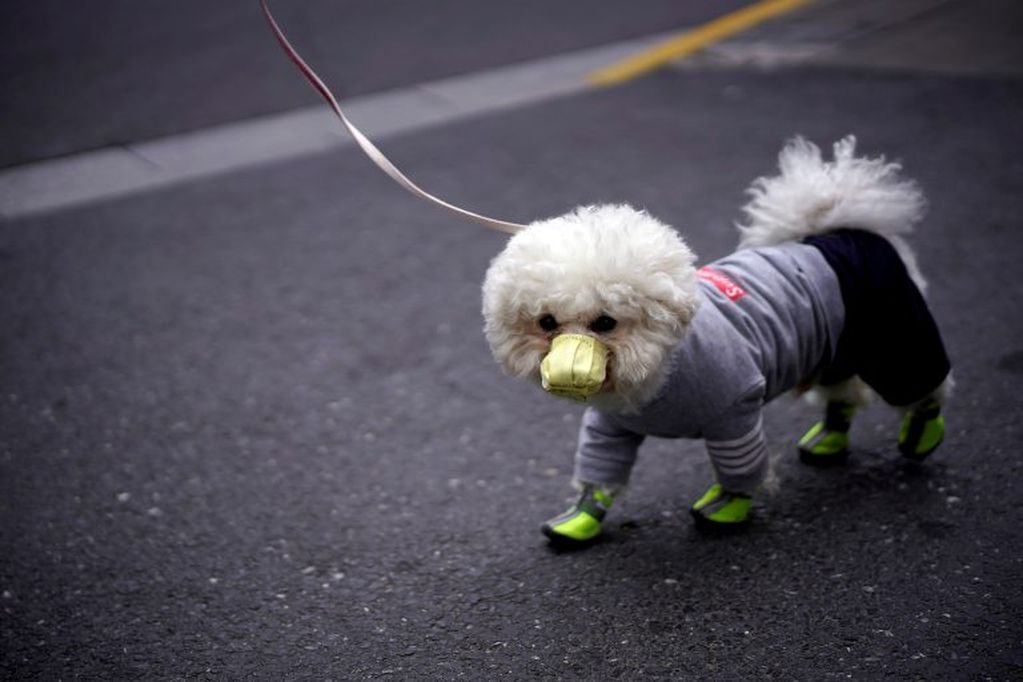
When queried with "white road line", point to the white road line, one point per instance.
{"points": [[121, 171]]}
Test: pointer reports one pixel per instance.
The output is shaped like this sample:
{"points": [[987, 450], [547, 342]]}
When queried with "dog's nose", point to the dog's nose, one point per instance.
{"points": [[575, 367]]}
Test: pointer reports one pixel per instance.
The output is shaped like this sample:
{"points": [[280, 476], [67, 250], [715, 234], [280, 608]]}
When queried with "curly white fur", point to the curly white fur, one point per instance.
{"points": [[812, 196], [618, 261], [593, 261]]}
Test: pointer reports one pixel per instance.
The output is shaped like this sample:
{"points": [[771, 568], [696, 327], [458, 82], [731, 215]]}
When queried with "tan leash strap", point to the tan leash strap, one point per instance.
{"points": [[367, 145]]}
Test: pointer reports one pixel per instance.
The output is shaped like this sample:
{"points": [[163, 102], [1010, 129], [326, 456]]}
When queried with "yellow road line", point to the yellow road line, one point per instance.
{"points": [[694, 40]]}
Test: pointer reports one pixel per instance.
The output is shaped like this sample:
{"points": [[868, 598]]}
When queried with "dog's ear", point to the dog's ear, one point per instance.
{"points": [[669, 284], [675, 311], [686, 307]]}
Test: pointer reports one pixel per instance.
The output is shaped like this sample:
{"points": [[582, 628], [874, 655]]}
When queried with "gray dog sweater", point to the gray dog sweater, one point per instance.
{"points": [[769, 319]]}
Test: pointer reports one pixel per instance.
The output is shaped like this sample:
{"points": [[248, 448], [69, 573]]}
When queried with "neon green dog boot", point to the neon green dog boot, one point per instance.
{"points": [[719, 509], [923, 429], [581, 522], [827, 442]]}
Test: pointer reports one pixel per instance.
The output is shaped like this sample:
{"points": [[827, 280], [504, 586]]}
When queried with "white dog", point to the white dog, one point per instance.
{"points": [[605, 305]]}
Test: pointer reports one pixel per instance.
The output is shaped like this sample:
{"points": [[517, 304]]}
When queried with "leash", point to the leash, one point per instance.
{"points": [[367, 146]]}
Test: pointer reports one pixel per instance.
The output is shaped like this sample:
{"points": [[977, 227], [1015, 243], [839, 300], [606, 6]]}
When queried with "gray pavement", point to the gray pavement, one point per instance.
{"points": [[249, 426], [130, 71]]}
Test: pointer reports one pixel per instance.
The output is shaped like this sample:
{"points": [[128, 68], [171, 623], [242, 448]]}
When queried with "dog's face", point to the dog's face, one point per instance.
{"points": [[591, 304]]}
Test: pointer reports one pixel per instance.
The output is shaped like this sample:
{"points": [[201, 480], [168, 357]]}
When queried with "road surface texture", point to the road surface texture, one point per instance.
{"points": [[250, 428]]}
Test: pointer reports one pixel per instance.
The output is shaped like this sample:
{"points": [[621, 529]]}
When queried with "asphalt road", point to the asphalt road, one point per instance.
{"points": [[129, 71], [249, 426]]}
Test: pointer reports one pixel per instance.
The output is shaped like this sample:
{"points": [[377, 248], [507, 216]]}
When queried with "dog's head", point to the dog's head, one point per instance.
{"points": [[591, 304]]}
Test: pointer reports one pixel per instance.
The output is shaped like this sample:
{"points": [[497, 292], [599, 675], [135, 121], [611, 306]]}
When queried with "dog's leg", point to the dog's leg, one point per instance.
{"points": [[741, 466], [581, 523], [923, 426], [827, 441]]}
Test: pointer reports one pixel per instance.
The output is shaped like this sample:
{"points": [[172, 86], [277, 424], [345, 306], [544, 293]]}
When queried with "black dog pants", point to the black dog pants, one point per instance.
{"points": [[890, 339]]}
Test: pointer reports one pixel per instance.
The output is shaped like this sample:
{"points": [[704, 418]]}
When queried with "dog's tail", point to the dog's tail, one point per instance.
{"points": [[813, 196]]}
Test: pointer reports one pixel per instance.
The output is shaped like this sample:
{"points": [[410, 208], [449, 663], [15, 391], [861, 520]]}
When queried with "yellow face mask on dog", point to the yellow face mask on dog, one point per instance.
{"points": [[575, 367]]}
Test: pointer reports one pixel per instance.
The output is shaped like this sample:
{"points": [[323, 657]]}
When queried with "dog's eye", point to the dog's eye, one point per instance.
{"points": [[603, 324], [548, 323]]}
